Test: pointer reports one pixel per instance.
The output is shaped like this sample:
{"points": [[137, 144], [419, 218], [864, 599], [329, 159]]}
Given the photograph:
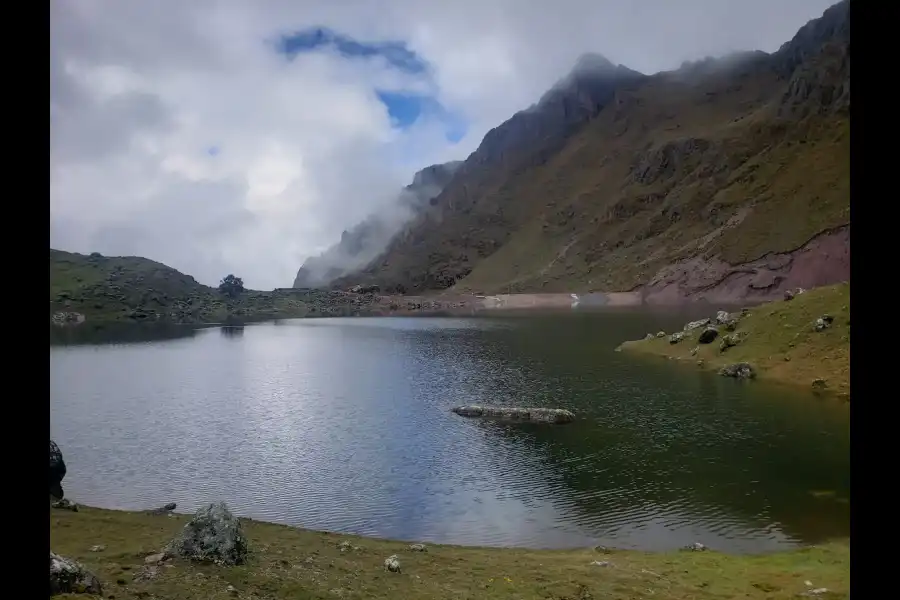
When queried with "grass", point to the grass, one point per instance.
{"points": [[293, 563], [781, 343]]}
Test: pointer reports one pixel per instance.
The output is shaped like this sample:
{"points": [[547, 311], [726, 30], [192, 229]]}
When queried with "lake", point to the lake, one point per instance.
{"points": [[344, 425]]}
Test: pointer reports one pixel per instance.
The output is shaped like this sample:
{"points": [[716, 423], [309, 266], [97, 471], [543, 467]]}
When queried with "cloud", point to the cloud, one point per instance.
{"points": [[227, 136]]}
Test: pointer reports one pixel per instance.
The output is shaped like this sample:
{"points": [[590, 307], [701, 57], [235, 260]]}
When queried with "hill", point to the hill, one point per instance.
{"points": [[288, 562], [726, 179], [100, 288], [779, 339], [363, 242]]}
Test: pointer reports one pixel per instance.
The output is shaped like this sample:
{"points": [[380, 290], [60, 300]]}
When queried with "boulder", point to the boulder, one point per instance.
{"points": [[740, 370], [70, 577], [392, 563], [660, 334], [709, 334], [212, 535], [722, 317], [676, 337], [57, 471], [695, 324]]}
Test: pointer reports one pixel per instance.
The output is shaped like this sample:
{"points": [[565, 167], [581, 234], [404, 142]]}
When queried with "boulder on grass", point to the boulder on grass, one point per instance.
{"points": [[212, 535], [71, 577]]}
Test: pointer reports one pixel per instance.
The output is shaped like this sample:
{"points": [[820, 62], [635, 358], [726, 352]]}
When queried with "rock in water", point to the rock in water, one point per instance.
{"points": [[213, 535], [708, 335], [57, 471], [740, 370], [513, 413], [70, 577]]}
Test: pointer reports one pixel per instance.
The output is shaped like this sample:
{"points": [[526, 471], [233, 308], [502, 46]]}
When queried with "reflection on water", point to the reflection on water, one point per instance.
{"points": [[343, 425]]}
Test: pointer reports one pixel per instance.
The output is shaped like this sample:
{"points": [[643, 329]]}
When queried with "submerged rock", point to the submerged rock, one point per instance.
{"points": [[535, 415], [213, 535], [71, 577], [741, 370]]}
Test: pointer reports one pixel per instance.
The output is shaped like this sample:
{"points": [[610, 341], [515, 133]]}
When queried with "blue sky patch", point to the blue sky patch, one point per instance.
{"points": [[404, 108], [397, 54]]}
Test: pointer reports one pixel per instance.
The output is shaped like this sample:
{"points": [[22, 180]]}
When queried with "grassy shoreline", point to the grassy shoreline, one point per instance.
{"points": [[287, 562], [780, 342]]}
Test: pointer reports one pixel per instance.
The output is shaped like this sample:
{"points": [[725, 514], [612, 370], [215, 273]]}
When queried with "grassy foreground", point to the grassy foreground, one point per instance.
{"points": [[780, 341], [293, 563]]}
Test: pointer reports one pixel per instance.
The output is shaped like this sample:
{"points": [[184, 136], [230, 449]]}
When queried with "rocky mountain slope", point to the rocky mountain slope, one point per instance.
{"points": [[726, 179], [362, 243]]}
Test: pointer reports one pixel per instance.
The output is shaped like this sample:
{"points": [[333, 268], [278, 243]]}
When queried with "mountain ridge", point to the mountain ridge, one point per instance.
{"points": [[612, 178]]}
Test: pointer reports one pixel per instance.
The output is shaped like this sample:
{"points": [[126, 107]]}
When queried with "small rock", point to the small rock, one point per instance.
{"points": [[65, 504], [695, 350], [155, 558], [147, 573], [819, 384], [816, 592], [71, 577], [740, 370], [649, 336], [787, 359], [828, 319], [602, 549], [392, 563], [98, 548], [788, 295], [696, 547], [709, 334], [165, 509], [676, 337], [729, 341], [695, 324], [660, 334], [345, 546], [231, 590], [601, 563], [722, 317], [418, 548], [700, 363]]}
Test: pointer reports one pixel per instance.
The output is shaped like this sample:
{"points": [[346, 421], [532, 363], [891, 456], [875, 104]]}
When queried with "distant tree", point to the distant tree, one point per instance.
{"points": [[231, 286]]}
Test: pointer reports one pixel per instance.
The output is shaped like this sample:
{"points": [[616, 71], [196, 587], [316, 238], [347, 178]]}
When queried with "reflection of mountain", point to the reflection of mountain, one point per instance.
{"points": [[115, 333], [366, 240], [685, 455]]}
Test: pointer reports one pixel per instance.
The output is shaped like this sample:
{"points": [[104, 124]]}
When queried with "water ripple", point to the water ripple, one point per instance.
{"points": [[343, 425]]}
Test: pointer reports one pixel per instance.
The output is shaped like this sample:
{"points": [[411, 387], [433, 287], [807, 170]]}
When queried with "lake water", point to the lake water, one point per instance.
{"points": [[344, 425]]}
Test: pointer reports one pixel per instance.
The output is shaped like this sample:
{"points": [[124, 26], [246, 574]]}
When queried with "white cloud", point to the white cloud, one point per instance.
{"points": [[141, 91]]}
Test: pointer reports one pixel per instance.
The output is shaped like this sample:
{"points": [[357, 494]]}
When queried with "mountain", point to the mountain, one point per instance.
{"points": [[367, 239], [107, 289], [727, 178]]}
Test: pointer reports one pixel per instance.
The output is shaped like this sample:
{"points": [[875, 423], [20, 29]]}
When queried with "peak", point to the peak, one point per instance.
{"points": [[592, 62]]}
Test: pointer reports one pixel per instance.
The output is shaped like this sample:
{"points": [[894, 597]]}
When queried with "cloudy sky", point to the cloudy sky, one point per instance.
{"points": [[225, 136]]}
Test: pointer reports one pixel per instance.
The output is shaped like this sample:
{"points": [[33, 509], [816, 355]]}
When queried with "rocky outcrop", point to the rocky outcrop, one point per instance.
{"points": [[57, 471], [212, 535], [68, 576], [534, 415], [822, 261]]}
